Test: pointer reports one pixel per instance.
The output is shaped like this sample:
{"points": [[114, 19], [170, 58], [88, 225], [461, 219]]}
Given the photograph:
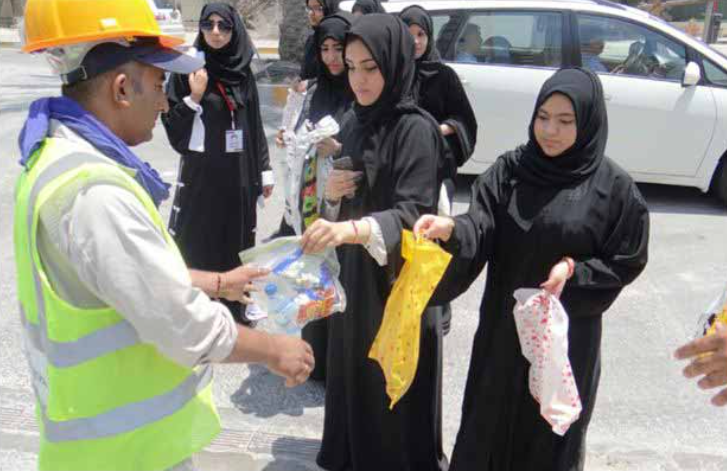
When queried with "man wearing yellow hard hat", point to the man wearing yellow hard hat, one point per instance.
{"points": [[119, 340]]}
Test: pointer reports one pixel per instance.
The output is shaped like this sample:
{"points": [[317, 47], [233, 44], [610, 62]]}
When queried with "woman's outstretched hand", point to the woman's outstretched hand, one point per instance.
{"points": [[323, 234], [434, 227]]}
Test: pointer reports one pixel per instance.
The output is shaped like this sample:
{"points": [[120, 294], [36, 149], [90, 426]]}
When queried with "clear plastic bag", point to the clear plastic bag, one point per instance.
{"points": [[300, 147], [301, 288], [292, 110], [542, 326]]}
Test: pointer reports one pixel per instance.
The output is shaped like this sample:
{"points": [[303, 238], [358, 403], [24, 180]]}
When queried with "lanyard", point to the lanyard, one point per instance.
{"points": [[228, 102]]}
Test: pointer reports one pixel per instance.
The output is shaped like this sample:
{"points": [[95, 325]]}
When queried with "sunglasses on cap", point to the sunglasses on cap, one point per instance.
{"points": [[209, 25]]}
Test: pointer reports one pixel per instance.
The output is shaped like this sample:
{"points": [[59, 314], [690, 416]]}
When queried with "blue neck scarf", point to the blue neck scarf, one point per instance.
{"points": [[88, 127]]}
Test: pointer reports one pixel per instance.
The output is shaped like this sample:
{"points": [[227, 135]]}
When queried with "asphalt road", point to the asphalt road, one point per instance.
{"points": [[648, 417]]}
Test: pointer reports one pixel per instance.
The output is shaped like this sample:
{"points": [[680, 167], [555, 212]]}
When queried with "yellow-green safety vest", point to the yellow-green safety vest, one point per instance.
{"points": [[105, 400]]}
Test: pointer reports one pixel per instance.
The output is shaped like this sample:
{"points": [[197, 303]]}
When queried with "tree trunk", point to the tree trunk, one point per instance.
{"points": [[294, 30]]}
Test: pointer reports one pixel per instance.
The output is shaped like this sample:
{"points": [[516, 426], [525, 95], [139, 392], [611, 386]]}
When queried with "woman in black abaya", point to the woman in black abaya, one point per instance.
{"points": [[214, 123], [395, 145], [439, 91], [554, 213], [329, 95]]}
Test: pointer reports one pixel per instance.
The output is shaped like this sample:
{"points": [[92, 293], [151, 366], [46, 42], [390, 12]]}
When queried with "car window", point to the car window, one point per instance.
{"points": [[166, 4], [445, 29], [609, 45], [714, 74], [512, 37]]}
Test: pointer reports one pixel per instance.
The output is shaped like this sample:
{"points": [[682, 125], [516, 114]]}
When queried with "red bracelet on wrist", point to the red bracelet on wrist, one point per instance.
{"points": [[219, 283], [355, 231]]}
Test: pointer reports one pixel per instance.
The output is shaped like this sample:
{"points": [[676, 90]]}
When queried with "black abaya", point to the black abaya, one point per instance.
{"points": [[397, 146], [521, 223]]}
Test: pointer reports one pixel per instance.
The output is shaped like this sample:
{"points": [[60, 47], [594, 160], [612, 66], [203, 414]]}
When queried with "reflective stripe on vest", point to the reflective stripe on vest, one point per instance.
{"points": [[101, 342]]}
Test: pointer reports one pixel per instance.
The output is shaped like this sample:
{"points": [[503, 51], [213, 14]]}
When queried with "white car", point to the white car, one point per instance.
{"points": [[168, 16], [666, 92]]}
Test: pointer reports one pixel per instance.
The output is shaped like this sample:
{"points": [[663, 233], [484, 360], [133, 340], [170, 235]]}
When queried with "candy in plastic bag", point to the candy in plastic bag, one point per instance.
{"points": [[542, 326], [715, 313], [300, 288]]}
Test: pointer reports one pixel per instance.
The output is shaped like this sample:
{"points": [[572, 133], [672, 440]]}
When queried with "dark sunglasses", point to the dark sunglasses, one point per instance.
{"points": [[209, 25]]}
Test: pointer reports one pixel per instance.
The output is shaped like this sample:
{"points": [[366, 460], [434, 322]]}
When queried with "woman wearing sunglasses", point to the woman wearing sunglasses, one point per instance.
{"points": [[214, 123]]}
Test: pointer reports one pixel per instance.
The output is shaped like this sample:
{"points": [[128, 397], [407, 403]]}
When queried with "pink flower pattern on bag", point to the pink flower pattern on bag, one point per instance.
{"points": [[542, 326]]}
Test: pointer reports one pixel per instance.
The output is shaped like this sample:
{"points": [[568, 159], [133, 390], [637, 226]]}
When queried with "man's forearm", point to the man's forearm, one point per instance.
{"points": [[252, 346], [207, 281]]}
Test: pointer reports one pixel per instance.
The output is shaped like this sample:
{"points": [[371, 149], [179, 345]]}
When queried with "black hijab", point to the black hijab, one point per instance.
{"points": [[585, 92], [330, 7], [368, 7], [229, 65], [417, 15], [332, 93], [392, 48]]}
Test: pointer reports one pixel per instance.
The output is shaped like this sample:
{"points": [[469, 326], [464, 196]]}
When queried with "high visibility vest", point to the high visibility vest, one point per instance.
{"points": [[105, 400]]}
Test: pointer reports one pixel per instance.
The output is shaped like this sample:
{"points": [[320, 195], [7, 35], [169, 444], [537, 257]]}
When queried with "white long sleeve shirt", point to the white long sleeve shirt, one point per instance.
{"points": [[104, 249]]}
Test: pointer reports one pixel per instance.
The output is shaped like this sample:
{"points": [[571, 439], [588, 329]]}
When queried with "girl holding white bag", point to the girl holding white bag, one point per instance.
{"points": [[555, 214]]}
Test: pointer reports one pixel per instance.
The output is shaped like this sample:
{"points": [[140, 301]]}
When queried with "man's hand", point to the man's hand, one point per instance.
{"points": [[235, 285], [198, 85], [292, 358], [708, 357]]}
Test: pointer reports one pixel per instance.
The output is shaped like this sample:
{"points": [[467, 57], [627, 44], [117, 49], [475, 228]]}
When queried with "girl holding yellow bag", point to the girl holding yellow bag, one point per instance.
{"points": [[395, 146]]}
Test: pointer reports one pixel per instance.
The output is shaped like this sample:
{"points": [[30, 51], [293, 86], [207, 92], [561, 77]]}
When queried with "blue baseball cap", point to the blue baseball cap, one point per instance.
{"points": [[109, 55]]}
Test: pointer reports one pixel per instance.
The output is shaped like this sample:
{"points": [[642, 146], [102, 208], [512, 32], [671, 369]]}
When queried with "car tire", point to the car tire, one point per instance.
{"points": [[719, 181]]}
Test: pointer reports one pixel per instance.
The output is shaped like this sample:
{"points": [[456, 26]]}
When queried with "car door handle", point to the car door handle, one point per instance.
{"points": [[607, 97], [464, 81]]}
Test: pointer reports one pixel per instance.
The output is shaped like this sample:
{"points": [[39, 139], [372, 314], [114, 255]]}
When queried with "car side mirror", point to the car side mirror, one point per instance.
{"points": [[692, 75]]}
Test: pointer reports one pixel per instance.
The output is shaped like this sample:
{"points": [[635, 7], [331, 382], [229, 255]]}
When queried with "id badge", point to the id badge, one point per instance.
{"points": [[233, 140]]}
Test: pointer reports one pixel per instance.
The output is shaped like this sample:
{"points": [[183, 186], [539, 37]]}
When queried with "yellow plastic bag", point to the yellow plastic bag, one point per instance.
{"points": [[715, 313], [396, 346]]}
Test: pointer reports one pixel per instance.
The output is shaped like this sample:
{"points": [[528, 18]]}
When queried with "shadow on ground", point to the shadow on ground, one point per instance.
{"points": [[255, 395]]}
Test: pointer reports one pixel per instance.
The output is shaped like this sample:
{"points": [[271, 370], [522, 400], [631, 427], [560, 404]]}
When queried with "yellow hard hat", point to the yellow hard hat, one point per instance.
{"points": [[58, 23]]}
